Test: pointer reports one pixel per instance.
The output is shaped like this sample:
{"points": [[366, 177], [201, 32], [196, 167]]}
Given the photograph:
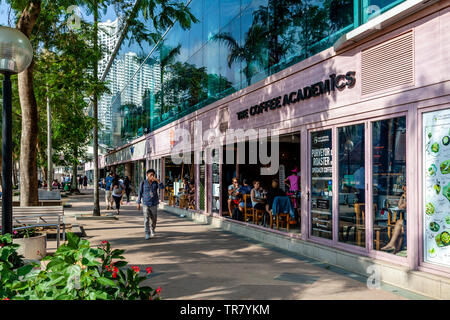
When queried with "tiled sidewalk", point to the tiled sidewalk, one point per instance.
{"points": [[193, 261]]}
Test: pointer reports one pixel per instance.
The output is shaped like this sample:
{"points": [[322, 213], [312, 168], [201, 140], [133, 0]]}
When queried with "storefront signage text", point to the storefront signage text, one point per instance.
{"points": [[335, 82]]}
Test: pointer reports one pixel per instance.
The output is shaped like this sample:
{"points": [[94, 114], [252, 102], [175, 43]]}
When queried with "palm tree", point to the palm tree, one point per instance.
{"points": [[251, 52], [278, 16]]}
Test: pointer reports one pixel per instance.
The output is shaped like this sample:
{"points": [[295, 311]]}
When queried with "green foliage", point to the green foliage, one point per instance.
{"points": [[76, 271], [25, 233]]}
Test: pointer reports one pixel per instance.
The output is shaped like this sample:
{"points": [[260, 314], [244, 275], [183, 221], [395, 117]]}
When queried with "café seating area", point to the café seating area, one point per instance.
{"points": [[278, 219]]}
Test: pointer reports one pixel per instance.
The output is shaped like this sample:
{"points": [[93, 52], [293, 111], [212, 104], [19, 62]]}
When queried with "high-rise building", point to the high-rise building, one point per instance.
{"points": [[126, 77]]}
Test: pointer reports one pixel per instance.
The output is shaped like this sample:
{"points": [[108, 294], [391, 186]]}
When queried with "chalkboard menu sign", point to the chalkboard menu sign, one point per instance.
{"points": [[321, 184]]}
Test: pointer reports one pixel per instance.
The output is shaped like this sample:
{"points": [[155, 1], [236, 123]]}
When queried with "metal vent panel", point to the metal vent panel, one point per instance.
{"points": [[388, 65]]}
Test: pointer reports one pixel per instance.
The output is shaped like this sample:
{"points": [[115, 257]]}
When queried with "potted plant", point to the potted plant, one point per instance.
{"points": [[33, 244]]}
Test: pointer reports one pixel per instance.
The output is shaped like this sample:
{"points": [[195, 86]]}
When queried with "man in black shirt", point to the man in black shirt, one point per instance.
{"points": [[273, 192]]}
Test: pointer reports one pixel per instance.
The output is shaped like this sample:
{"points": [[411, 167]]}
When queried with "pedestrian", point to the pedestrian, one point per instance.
{"points": [[127, 184], [117, 194], [80, 182], [148, 194], [85, 181], [109, 180]]}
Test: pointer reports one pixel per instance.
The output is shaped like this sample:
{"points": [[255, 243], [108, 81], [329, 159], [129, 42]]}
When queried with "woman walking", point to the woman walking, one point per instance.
{"points": [[127, 184], [85, 181], [117, 193]]}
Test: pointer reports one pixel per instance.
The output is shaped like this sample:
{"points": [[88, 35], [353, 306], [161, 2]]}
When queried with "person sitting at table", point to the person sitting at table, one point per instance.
{"points": [[232, 195], [274, 191], [191, 194], [396, 242], [245, 189], [186, 186], [257, 196]]}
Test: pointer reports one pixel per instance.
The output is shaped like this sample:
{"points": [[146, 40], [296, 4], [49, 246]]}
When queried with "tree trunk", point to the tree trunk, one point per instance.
{"points": [[42, 159], [28, 154], [28, 145], [74, 186], [96, 211]]}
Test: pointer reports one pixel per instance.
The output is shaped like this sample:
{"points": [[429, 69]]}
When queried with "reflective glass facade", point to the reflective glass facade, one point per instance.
{"points": [[235, 43]]}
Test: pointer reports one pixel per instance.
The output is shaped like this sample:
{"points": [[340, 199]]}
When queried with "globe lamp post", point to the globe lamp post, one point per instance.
{"points": [[16, 54]]}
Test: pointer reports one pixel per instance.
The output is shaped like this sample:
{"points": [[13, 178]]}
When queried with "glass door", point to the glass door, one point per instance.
{"points": [[352, 184], [215, 207], [321, 184], [389, 185]]}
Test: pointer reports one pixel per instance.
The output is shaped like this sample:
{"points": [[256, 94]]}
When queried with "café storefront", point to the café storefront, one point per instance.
{"points": [[371, 128]]}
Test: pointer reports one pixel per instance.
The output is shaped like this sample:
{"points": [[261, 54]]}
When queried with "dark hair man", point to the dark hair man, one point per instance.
{"points": [[148, 193]]}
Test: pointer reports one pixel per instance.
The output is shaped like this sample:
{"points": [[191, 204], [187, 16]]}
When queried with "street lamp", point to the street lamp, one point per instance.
{"points": [[16, 54]]}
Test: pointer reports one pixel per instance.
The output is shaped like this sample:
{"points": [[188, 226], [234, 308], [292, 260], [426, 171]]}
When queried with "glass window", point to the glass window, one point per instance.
{"points": [[321, 184], [211, 22], [202, 185], [229, 9], [231, 53], [196, 31], [351, 185], [215, 194], [389, 185]]}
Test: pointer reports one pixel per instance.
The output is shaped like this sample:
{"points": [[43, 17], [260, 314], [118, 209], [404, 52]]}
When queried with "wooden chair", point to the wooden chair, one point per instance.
{"points": [[248, 211], [392, 220], [286, 220], [258, 215], [360, 218], [183, 201], [361, 225], [171, 195]]}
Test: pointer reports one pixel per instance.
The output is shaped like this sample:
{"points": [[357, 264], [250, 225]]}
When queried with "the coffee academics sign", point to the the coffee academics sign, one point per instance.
{"points": [[340, 82]]}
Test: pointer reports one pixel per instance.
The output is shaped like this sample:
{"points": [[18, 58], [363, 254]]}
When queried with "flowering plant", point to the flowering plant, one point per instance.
{"points": [[25, 233], [76, 271]]}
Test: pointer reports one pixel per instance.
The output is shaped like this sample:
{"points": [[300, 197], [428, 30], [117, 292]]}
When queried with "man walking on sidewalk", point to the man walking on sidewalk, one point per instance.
{"points": [[108, 190], [148, 193]]}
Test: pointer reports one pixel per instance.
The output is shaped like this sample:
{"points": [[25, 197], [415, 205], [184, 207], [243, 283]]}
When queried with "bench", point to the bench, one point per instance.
{"points": [[40, 217], [41, 203], [46, 198]]}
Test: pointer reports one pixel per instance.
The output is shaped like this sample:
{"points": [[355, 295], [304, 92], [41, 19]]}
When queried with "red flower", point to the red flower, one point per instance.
{"points": [[2, 245], [158, 291], [149, 270], [5, 299], [114, 275], [107, 268], [104, 242], [136, 269], [115, 269]]}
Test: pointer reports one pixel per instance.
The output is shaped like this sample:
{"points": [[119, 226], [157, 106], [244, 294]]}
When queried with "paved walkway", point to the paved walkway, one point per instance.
{"points": [[193, 261]]}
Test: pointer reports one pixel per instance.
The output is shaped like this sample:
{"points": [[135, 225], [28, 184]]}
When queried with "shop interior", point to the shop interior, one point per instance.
{"points": [[179, 182], [289, 165]]}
